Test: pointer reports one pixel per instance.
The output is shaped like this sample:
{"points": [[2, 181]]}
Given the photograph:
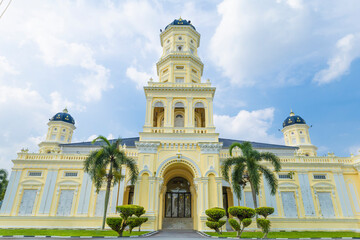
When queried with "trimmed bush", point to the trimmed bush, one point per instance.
{"points": [[244, 214], [264, 211], [214, 216], [126, 211], [264, 223], [114, 223]]}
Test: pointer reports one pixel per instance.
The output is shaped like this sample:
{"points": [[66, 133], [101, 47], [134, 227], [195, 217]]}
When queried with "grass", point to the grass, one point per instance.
{"points": [[304, 234], [65, 232]]}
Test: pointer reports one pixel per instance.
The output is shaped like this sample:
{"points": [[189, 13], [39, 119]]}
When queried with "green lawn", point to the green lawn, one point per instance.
{"points": [[289, 234], [65, 232]]}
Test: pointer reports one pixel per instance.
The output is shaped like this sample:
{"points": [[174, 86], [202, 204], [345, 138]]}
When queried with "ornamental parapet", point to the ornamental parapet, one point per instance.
{"points": [[147, 147], [210, 147], [174, 84]]}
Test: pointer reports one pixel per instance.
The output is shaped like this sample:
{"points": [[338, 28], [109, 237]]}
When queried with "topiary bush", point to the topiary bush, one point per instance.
{"points": [[264, 211], [244, 214], [264, 223], [114, 223], [140, 211], [214, 216], [126, 211]]}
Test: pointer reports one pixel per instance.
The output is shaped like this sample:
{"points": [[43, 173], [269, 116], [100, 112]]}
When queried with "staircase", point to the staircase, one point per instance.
{"points": [[177, 223]]}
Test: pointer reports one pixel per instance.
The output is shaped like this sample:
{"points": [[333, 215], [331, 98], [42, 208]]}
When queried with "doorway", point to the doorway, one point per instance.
{"points": [[178, 199]]}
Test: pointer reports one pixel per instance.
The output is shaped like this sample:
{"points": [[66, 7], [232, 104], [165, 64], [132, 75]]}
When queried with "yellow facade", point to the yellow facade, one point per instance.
{"points": [[179, 157]]}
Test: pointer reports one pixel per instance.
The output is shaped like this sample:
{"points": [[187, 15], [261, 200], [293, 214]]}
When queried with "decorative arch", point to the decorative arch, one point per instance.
{"points": [[68, 183], [145, 170], [211, 170], [31, 182], [288, 185], [199, 104], [323, 186], [179, 103], [172, 160], [158, 103]]}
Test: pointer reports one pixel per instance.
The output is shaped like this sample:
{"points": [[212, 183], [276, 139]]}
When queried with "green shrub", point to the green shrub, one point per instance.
{"points": [[215, 213], [264, 225], [234, 224], [264, 211], [114, 223], [244, 214], [126, 211], [214, 216]]}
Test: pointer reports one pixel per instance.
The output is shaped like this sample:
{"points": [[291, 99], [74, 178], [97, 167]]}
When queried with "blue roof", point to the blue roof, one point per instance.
{"points": [[180, 22], [130, 142], [293, 119], [63, 116]]}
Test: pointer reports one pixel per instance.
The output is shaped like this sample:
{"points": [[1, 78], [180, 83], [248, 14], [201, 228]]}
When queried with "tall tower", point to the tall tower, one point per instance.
{"points": [[296, 133], [61, 127], [179, 102]]}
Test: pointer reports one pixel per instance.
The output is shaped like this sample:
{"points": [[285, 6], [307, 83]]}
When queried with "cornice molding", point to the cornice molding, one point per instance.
{"points": [[210, 147], [147, 147]]}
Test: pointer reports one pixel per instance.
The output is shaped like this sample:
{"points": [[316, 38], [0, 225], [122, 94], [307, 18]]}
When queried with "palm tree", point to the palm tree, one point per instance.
{"points": [[248, 169], [3, 183], [109, 156]]}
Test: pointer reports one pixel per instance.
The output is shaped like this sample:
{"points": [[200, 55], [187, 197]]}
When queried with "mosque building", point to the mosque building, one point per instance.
{"points": [[179, 156]]}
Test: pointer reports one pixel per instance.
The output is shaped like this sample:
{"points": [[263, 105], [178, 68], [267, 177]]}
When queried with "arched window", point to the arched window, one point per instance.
{"points": [[179, 120], [179, 105], [158, 117], [199, 115]]}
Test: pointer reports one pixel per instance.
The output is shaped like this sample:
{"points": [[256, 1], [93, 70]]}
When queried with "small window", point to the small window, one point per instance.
{"points": [[62, 138], [179, 80], [285, 176], [71, 174], [320, 176], [301, 132], [35, 174], [180, 38], [53, 137], [191, 41], [292, 133], [180, 67], [64, 130], [55, 129], [293, 140], [180, 48]]}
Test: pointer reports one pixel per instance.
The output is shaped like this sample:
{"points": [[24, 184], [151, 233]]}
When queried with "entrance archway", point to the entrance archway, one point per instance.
{"points": [[178, 197]]}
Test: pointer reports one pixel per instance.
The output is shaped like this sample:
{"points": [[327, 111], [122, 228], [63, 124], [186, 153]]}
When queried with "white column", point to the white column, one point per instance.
{"points": [[168, 112], [149, 113], [190, 113], [210, 112]]}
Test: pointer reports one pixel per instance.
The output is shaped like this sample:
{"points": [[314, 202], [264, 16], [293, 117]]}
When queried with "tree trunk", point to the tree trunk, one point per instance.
{"points": [[255, 202], [109, 180]]}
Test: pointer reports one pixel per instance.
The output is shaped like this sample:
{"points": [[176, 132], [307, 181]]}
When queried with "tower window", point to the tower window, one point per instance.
{"points": [[64, 130], [55, 129], [62, 138], [180, 67], [179, 80], [301, 132], [180, 38], [53, 137], [191, 41], [180, 48]]}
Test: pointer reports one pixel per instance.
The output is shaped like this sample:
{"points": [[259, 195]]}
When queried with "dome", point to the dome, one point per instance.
{"points": [[293, 119], [180, 22], [63, 116]]}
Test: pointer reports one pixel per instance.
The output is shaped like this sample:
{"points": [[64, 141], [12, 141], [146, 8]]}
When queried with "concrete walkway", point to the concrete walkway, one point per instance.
{"points": [[169, 234]]}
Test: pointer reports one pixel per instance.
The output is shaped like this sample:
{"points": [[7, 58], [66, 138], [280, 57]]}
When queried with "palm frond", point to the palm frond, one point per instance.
{"points": [[104, 139], [228, 163], [275, 161], [233, 145], [270, 178]]}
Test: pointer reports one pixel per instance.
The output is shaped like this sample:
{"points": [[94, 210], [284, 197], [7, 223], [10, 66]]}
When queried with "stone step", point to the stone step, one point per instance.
{"points": [[177, 223]]}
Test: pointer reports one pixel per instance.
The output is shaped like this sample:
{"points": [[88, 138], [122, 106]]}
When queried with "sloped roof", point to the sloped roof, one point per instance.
{"points": [[130, 142]]}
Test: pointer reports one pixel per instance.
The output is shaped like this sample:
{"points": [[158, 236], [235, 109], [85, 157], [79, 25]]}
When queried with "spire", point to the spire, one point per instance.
{"points": [[65, 110], [292, 113]]}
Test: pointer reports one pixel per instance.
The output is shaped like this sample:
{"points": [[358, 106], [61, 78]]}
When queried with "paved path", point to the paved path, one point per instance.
{"points": [[182, 234]]}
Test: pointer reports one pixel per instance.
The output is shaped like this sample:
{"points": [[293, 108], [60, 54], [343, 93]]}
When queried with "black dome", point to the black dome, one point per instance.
{"points": [[63, 116], [180, 22], [293, 119]]}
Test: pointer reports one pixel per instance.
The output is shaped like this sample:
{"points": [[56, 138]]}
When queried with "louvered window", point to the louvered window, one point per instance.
{"points": [[71, 174], [284, 176], [35, 174], [320, 176]]}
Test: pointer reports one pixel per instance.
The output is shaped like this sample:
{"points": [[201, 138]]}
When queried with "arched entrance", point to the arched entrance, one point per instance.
{"points": [[178, 197]]}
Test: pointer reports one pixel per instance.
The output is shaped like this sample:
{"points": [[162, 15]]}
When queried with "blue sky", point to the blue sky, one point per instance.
{"points": [[265, 58]]}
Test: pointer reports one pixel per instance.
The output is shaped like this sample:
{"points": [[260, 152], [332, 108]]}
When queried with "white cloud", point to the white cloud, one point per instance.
{"points": [[347, 49], [248, 125], [140, 78], [354, 150], [6, 67], [279, 42]]}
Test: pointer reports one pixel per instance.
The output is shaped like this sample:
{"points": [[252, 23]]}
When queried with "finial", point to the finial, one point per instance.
{"points": [[180, 19], [291, 113], [151, 79], [65, 110]]}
